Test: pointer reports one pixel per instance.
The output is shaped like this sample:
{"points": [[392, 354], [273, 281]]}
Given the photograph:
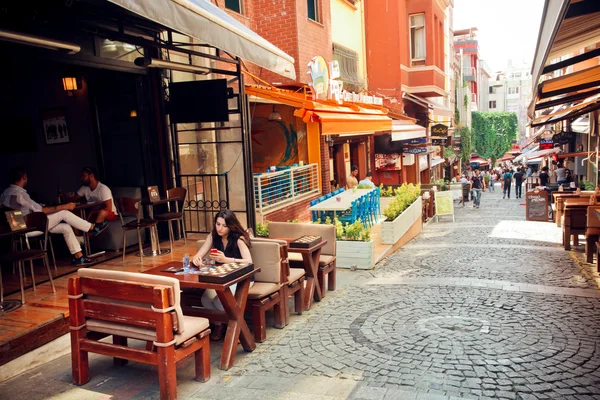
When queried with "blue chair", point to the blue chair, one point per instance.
{"points": [[353, 215], [378, 201], [315, 214], [329, 195], [322, 198]]}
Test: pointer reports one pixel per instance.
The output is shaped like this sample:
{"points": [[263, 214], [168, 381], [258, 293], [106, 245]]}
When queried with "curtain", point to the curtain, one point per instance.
{"points": [[417, 36]]}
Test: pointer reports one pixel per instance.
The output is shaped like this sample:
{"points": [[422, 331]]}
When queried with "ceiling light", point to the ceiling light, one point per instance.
{"points": [[275, 116]]}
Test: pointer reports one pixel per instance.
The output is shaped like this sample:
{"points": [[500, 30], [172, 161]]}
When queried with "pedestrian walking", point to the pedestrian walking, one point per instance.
{"points": [[477, 186], [507, 183], [518, 183], [492, 180]]}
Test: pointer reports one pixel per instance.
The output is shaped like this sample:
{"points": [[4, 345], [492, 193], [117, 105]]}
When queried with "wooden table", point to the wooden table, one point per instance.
{"points": [[234, 307], [347, 197], [559, 202], [310, 262], [83, 209], [575, 220], [155, 249]]}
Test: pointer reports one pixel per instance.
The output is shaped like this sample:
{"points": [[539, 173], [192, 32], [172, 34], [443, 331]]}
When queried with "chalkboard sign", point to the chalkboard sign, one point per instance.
{"points": [[444, 204], [536, 205]]}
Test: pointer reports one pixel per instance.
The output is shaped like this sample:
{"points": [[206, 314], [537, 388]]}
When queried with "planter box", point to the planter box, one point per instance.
{"points": [[351, 253], [392, 231], [385, 202]]}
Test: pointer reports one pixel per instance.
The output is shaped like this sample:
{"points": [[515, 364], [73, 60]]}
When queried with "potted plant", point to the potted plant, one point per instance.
{"points": [[354, 247], [403, 211]]}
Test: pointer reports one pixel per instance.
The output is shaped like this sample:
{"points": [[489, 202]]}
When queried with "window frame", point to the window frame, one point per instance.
{"points": [[410, 37], [317, 7], [494, 104], [240, 4]]}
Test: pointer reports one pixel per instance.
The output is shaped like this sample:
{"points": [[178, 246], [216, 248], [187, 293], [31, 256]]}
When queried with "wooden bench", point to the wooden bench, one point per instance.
{"points": [[138, 306]]}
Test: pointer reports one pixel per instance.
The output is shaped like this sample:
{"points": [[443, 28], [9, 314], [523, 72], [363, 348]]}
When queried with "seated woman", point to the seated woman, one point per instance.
{"points": [[232, 242]]}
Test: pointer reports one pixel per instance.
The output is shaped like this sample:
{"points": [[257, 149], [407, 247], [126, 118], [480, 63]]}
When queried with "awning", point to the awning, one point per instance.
{"points": [[507, 157], [578, 154], [405, 130], [541, 153], [534, 161], [478, 160], [581, 80], [436, 161], [590, 104], [423, 162], [208, 23], [334, 122], [525, 152]]}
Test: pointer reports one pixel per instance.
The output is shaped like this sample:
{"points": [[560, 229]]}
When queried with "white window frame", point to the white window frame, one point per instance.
{"points": [[317, 9], [513, 90], [424, 27]]}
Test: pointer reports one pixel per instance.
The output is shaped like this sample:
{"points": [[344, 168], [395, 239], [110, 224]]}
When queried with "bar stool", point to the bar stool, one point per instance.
{"points": [[131, 207], [175, 195]]}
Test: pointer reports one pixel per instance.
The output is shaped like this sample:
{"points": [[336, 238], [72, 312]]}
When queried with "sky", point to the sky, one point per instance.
{"points": [[507, 29]]}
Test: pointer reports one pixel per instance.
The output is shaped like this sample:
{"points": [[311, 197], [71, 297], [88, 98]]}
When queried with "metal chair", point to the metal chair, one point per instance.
{"points": [[38, 221], [129, 206], [175, 195]]}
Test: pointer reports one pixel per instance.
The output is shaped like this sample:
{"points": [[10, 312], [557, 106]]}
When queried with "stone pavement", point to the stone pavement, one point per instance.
{"points": [[489, 306]]}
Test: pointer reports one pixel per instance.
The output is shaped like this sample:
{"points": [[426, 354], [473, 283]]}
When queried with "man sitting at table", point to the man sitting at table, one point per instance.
{"points": [[60, 218], [368, 181], [95, 191]]}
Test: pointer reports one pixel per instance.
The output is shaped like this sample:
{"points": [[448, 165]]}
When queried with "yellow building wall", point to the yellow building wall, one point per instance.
{"points": [[348, 29]]}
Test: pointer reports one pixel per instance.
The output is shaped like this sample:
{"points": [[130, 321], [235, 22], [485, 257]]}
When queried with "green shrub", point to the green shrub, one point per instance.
{"points": [[364, 186], [262, 230], [355, 231], [405, 196], [386, 192], [587, 185]]}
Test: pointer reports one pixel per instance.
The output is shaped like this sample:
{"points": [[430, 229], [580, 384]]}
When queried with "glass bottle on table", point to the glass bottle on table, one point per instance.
{"points": [[59, 196]]}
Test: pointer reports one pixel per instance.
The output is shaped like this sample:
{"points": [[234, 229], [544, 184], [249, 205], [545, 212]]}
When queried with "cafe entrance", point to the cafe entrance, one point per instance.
{"points": [[346, 151]]}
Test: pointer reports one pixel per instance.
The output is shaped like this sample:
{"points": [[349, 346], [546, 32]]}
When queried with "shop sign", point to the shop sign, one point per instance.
{"points": [[563, 137], [388, 162], [415, 150], [438, 141], [546, 144], [422, 140], [439, 130], [323, 79], [457, 149]]}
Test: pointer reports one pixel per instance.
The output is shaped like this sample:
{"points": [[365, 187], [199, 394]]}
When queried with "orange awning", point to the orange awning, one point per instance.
{"points": [[334, 118], [580, 80]]}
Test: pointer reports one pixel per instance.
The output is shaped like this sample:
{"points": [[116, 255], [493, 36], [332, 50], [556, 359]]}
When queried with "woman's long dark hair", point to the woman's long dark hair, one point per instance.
{"points": [[236, 231]]}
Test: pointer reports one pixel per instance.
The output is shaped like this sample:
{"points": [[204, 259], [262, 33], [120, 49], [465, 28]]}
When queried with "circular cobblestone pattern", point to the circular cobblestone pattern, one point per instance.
{"points": [[458, 340]]}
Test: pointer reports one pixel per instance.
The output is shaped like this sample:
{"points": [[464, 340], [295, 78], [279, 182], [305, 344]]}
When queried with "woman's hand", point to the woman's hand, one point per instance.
{"points": [[197, 260], [218, 256]]}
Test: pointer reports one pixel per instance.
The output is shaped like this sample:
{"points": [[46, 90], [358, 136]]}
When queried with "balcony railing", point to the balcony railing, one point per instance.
{"points": [[470, 73], [275, 189]]}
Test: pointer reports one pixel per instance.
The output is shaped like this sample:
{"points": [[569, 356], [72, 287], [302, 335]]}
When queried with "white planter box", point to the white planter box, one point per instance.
{"points": [[351, 253], [392, 231]]}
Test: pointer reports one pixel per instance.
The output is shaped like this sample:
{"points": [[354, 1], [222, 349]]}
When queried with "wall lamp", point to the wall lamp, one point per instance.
{"points": [[156, 63], [71, 84], [38, 41]]}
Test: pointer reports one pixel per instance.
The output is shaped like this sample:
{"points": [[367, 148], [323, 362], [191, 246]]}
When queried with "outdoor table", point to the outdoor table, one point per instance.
{"points": [[560, 197], [155, 249], [234, 306], [310, 262], [575, 219], [5, 232], [347, 197], [83, 209]]}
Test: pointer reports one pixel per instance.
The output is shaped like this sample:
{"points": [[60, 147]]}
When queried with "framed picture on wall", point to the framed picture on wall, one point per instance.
{"points": [[54, 126]]}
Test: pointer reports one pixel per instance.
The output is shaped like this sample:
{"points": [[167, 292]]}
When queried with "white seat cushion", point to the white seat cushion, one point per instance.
{"points": [[295, 274], [193, 326], [262, 289]]}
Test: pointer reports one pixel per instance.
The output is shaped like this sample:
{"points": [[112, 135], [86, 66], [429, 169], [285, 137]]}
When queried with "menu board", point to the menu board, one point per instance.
{"points": [[536, 205], [153, 193], [444, 204]]}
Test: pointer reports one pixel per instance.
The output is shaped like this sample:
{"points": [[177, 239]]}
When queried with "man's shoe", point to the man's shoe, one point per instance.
{"points": [[99, 228], [82, 261]]}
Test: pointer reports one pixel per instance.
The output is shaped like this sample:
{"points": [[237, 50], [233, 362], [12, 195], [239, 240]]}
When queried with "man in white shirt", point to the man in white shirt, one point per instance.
{"points": [[95, 191], [60, 218], [368, 181]]}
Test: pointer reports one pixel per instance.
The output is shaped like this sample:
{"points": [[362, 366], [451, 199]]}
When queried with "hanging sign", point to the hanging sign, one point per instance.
{"points": [[439, 130], [422, 140], [438, 141], [546, 144], [415, 150], [325, 83]]}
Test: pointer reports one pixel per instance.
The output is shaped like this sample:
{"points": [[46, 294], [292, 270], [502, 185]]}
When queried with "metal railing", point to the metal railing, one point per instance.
{"points": [[275, 189]]}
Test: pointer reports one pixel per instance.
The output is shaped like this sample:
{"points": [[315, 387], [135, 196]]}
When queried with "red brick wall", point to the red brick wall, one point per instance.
{"points": [[294, 211], [325, 170], [314, 38]]}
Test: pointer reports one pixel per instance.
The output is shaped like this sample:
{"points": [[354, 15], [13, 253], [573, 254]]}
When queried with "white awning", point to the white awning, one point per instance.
{"points": [[541, 153], [525, 151], [405, 130], [436, 161], [208, 23]]}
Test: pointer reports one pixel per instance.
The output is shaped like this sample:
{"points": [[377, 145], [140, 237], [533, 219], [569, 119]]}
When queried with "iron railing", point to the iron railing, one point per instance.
{"points": [[275, 189]]}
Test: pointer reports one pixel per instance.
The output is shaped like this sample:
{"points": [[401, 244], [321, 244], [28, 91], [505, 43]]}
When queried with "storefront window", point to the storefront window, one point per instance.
{"points": [[118, 50]]}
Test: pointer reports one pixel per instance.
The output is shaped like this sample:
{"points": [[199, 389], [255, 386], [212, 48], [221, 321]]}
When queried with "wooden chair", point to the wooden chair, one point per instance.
{"points": [[573, 224], [138, 306], [129, 206], [175, 195], [592, 232], [269, 289], [295, 278], [39, 221]]}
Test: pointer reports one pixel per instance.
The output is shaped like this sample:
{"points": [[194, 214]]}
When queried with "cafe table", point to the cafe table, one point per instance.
{"points": [[575, 219], [310, 263], [155, 249], [233, 305], [345, 202], [7, 306]]}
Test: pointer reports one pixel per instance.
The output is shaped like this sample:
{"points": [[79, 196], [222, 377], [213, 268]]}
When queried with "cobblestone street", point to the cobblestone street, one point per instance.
{"points": [[489, 306]]}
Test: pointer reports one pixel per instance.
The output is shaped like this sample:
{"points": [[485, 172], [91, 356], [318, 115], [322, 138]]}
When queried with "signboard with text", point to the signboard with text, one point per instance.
{"points": [[422, 140], [439, 130], [415, 150], [546, 144], [444, 204], [438, 141]]}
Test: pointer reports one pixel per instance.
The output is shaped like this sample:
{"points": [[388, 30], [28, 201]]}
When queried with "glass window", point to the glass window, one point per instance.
{"points": [[234, 5], [493, 104], [119, 50], [313, 10], [417, 37]]}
